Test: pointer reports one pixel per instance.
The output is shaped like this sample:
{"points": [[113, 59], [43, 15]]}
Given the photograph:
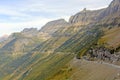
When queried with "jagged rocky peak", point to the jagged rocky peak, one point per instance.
{"points": [[85, 17], [53, 26]]}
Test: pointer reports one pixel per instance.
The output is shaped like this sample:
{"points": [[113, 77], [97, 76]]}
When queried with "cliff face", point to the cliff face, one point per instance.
{"points": [[114, 7], [111, 14], [87, 16]]}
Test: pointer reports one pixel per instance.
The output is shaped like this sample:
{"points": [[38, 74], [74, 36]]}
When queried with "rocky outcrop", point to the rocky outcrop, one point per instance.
{"points": [[104, 54], [53, 26]]}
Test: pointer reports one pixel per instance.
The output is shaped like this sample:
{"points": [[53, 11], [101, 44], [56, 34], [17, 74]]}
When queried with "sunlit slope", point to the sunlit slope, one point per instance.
{"points": [[86, 70], [111, 38], [58, 38], [82, 41], [38, 67]]}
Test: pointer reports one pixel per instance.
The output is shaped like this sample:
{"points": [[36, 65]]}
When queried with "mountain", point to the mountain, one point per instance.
{"points": [[86, 47]]}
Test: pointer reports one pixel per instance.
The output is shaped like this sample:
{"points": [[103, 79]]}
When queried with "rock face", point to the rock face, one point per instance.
{"points": [[114, 7], [85, 17], [111, 15], [53, 26]]}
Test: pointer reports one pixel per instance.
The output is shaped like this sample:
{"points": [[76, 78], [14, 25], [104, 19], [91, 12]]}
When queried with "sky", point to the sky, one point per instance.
{"points": [[15, 15]]}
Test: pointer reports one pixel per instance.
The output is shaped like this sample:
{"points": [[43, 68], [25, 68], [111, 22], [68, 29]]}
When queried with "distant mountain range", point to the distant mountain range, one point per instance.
{"points": [[4, 37], [45, 54]]}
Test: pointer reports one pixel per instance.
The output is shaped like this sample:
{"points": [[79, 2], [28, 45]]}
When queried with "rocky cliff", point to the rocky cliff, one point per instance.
{"points": [[106, 15], [113, 8], [111, 14], [85, 17]]}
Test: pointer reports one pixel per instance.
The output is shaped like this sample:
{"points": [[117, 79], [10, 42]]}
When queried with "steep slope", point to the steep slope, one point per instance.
{"points": [[111, 38], [81, 41], [58, 38]]}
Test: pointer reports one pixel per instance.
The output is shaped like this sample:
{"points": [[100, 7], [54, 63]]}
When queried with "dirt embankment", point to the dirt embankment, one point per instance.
{"points": [[91, 70]]}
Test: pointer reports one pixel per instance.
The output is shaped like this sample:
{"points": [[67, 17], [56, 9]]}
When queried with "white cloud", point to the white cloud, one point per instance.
{"points": [[11, 12]]}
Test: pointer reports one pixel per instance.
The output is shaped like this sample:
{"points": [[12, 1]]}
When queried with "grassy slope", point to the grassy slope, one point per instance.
{"points": [[33, 68], [20, 67], [59, 37], [37, 66], [48, 67], [111, 38], [80, 42], [84, 70]]}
